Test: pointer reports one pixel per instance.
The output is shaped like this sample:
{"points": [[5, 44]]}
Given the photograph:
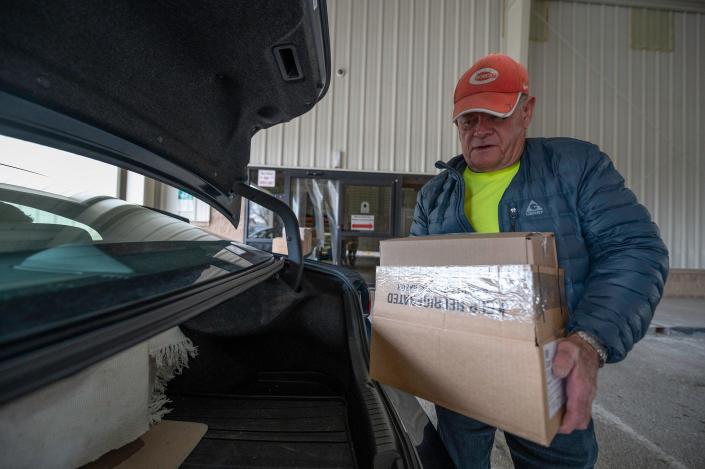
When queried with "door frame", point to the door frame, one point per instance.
{"points": [[395, 180]]}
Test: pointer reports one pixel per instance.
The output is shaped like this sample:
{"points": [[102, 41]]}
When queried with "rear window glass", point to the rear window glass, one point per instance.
{"points": [[40, 216], [70, 249]]}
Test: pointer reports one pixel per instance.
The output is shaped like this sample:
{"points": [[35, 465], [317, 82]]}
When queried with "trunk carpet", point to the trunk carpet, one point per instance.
{"points": [[267, 431]]}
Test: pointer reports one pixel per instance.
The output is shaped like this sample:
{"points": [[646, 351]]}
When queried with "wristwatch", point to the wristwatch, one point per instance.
{"points": [[595, 344]]}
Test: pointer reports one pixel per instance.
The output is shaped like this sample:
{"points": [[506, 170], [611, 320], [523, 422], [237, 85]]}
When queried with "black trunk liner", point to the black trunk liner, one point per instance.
{"points": [[267, 431]]}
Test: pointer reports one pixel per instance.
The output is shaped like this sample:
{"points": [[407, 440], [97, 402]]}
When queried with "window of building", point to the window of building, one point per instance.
{"points": [[262, 224], [348, 213], [651, 29]]}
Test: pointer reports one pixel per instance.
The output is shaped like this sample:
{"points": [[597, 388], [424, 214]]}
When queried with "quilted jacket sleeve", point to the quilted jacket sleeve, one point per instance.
{"points": [[419, 223], [628, 260]]}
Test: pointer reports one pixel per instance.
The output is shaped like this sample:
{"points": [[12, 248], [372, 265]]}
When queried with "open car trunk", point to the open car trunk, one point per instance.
{"points": [[281, 381]]}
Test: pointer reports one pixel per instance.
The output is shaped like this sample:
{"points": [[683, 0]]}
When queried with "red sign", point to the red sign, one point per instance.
{"points": [[362, 222]]}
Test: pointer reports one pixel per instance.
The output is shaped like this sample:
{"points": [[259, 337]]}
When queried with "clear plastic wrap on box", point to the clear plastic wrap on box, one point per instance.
{"points": [[501, 292]]}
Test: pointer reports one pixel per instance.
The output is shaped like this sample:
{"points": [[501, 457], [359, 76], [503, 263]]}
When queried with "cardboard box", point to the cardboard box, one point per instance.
{"points": [[471, 322], [279, 244]]}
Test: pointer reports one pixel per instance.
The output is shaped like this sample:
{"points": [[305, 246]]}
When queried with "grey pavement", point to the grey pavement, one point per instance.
{"points": [[650, 408], [679, 315]]}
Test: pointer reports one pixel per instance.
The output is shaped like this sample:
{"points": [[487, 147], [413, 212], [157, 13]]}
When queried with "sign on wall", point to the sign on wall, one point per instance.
{"points": [[266, 178], [362, 222], [186, 203]]}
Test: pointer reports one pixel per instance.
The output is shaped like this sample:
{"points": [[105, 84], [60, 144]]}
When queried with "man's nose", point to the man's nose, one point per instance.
{"points": [[482, 127]]}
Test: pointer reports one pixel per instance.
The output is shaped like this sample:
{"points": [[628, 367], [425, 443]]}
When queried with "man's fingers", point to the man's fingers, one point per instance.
{"points": [[563, 363], [573, 421], [581, 417], [578, 406], [580, 376], [574, 417], [567, 426], [570, 418]]}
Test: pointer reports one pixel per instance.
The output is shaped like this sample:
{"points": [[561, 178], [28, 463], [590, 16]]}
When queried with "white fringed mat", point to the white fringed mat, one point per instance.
{"points": [[76, 420]]}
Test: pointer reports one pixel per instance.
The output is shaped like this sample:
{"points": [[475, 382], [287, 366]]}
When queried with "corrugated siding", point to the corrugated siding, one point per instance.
{"points": [[391, 109], [645, 109]]}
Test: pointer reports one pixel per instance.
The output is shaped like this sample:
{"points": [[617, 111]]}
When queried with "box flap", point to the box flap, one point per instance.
{"points": [[493, 379], [515, 301], [470, 249], [551, 317], [451, 321]]}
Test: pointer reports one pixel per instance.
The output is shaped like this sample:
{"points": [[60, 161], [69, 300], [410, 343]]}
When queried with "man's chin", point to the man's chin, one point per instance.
{"points": [[485, 161]]}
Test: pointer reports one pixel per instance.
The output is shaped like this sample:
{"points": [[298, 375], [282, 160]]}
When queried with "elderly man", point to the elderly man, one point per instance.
{"points": [[615, 262]]}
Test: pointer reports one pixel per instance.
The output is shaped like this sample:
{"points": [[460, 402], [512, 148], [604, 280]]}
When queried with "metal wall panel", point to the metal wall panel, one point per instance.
{"points": [[391, 108], [645, 109]]}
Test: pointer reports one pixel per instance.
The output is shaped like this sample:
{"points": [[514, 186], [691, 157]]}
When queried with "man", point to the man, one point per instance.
{"points": [[615, 262]]}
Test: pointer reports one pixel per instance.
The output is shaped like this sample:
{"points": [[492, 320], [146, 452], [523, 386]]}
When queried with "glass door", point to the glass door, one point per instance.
{"points": [[348, 213], [367, 209], [410, 187], [315, 202], [262, 224]]}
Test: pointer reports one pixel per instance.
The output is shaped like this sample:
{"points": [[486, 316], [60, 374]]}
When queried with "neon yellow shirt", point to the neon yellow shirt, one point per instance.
{"points": [[483, 191]]}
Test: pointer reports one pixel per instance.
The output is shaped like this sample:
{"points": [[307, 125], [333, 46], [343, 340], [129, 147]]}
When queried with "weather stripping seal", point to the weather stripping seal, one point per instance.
{"points": [[48, 363]]}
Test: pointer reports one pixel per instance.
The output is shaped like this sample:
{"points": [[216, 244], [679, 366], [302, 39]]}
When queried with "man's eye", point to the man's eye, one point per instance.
{"points": [[472, 122]]}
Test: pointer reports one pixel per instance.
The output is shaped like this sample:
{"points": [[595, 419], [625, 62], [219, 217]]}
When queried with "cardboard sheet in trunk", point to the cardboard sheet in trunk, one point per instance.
{"points": [[165, 446]]}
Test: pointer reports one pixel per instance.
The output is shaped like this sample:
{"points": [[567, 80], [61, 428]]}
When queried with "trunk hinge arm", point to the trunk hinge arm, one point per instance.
{"points": [[292, 274]]}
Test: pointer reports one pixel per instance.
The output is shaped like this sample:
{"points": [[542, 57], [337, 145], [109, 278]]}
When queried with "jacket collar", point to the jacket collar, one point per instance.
{"points": [[457, 163]]}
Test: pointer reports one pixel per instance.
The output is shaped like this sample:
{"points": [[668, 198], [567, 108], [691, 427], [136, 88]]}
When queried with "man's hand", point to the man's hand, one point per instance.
{"points": [[577, 362]]}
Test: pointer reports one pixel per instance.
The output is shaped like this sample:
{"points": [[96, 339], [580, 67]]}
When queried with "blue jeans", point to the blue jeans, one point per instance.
{"points": [[469, 444]]}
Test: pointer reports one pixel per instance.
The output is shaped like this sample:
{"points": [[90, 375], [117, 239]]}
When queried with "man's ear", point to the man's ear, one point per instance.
{"points": [[528, 111]]}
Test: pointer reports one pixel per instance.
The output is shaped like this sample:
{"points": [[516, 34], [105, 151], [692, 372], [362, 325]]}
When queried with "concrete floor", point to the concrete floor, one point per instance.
{"points": [[650, 408]]}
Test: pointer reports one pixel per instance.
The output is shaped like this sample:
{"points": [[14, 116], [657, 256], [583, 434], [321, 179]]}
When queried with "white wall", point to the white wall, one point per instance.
{"points": [[391, 109], [44, 168], [645, 109]]}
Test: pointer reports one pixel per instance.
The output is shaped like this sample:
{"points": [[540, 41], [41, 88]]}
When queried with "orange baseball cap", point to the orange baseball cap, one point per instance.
{"points": [[493, 85]]}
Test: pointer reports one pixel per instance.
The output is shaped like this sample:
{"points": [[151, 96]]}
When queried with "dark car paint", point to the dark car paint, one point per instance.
{"points": [[48, 365], [20, 119], [417, 429], [173, 78]]}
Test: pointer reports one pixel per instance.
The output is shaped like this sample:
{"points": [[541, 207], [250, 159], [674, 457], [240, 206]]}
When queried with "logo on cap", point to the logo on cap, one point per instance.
{"points": [[484, 75]]}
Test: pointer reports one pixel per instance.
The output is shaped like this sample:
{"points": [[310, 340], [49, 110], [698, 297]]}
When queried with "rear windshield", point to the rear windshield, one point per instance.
{"points": [[70, 249]]}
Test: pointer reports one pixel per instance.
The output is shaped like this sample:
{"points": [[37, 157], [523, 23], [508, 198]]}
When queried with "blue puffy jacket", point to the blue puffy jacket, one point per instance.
{"points": [[614, 260]]}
